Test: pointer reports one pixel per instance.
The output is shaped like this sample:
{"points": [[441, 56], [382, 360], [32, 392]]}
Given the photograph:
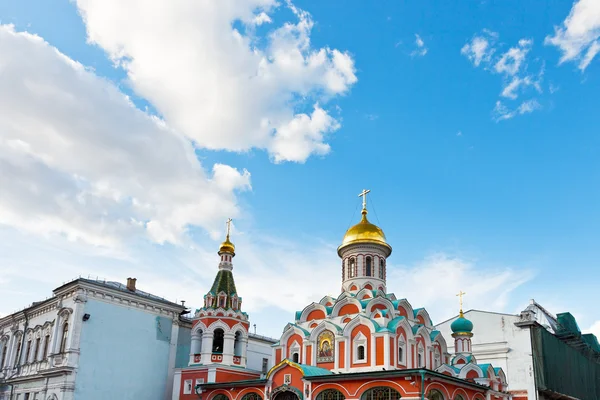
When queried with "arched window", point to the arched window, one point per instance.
{"points": [[351, 267], [458, 397], [4, 352], [237, 344], [217, 346], [36, 349], [220, 397], [28, 351], [435, 394], [330, 394], [368, 267], [381, 267], [436, 358], [18, 353], [46, 344], [401, 351], [63, 340], [360, 352], [381, 393], [420, 357], [251, 396], [295, 358]]}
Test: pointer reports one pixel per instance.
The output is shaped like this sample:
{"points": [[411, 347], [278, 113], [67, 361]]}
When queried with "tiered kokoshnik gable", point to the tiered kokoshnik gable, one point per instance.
{"points": [[220, 330]]}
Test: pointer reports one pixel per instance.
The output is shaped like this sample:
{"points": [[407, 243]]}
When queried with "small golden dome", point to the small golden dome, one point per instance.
{"points": [[364, 232], [227, 246]]}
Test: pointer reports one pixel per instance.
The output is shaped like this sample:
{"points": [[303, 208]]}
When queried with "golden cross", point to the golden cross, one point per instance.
{"points": [[228, 226], [460, 296], [363, 194]]}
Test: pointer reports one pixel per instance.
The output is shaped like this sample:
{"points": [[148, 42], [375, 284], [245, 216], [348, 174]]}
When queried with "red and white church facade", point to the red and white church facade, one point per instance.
{"points": [[364, 344]]}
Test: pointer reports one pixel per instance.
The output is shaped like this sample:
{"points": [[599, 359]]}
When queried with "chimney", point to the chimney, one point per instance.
{"points": [[131, 284]]}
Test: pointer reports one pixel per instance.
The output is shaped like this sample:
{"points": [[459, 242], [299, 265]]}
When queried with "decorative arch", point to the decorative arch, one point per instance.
{"points": [[363, 293], [324, 326], [279, 393], [404, 305], [251, 396], [425, 318], [199, 328], [435, 391], [460, 394], [381, 393], [379, 301], [358, 320], [330, 394], [308, 310], [464, 371], [341, 303], [220, 396], [218, 324], [446, 369]]}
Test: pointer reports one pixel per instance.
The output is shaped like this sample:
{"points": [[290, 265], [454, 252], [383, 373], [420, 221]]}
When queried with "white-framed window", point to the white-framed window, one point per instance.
{"points": [[187, 386], [436, 358], [359, 345], [287, 379], [351, 267], [199, 381], [420, 356], [402, 350], [295, 352]]}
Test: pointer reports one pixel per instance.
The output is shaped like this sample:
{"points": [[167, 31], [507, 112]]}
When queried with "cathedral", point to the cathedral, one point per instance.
{"points": [[364, 344]]}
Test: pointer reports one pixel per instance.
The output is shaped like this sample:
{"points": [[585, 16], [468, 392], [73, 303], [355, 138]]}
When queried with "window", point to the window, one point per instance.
{"points": [[4, 351], [28, 351], [458, 397], [436, 358], [435, 395], [287, 379], [46, 344], [251, 396], [197, 342], [360, 352], [351, 267], [331, 394], [36, 349], [218, 341], [381, 267], [222, 301], [199, 381], [220, 397], [187, 386], [295, 358], [420, 360], [63, 341], [380, 393], [18, 353], [420, 363], [265, 365], [26, 396], [368, 267], [400, 355]]}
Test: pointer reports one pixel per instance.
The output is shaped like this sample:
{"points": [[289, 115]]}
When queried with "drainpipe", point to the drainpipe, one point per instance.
{"points": [[422, 372]]}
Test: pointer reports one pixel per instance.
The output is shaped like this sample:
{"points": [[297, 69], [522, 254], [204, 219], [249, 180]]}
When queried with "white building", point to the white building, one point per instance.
{"points": [[534, 347], [93, 340]]}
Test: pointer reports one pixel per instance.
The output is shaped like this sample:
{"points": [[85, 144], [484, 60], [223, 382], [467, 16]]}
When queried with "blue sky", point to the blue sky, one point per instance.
{"points": [[477, 186]]}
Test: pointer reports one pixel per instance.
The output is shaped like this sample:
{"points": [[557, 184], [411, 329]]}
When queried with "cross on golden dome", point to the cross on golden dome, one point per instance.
{"points": [[363, 194], [227, 246]]}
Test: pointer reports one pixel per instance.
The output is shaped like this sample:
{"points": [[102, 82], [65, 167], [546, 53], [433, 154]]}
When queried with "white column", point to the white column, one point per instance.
{"points": [[336, 355], [195, 347], [244, 351], [228, 341], [207, 343], [373, 350], [386, 350], [348, 361]]}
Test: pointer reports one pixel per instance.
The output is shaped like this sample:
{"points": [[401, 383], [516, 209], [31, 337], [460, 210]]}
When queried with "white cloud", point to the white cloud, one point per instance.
{"points": [[578, 35], [595, 329], [78, 159], [510, 62], [478, 50], [421, 50], [224, 87], [502, 112]]}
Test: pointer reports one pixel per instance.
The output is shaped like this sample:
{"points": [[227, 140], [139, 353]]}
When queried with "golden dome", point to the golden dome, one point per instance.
{"points": [[227, 246], [364, 232]]}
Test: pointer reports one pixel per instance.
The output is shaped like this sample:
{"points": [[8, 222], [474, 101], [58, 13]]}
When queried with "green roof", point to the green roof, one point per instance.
{"points": [[309, 370], [433, 335], [393, 324], [415, 328], [223, 283]]}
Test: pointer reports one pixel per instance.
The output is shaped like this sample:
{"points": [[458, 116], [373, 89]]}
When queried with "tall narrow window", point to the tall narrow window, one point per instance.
{"points": [[295, 357], [63, 340], [400, 355], [368, 267], [18, 355], [351, 267], [36, 349], [265, 365], [381, 262], [420, 360], [28, 351], [46, 344], [218, 341], [4, 351]]}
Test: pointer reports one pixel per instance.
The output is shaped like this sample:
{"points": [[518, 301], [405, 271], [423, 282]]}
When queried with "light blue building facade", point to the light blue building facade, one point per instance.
{"points": [[93, 340]]}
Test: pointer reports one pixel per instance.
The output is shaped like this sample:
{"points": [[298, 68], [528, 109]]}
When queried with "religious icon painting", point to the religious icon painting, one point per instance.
{"points": [[325, 347]]}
